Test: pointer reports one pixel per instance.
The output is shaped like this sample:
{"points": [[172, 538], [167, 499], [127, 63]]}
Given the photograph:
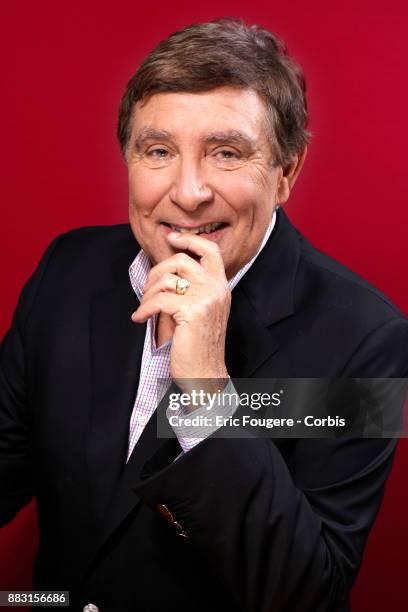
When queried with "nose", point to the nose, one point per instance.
{"points": [[190, 188]]}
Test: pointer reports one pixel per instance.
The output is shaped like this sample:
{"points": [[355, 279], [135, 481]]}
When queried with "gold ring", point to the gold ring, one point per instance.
{"points": [[181, 286]]}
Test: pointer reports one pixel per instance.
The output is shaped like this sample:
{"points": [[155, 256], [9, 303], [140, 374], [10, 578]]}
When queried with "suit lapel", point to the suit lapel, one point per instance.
{"points": [[117, 346], [263, 298]]}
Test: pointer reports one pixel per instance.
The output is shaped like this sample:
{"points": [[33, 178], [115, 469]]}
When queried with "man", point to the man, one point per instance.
{"points": [[213, 129]]}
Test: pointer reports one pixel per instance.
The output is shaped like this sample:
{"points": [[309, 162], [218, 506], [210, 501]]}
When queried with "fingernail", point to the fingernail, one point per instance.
{"points": [[134, 316], [175, 235]]}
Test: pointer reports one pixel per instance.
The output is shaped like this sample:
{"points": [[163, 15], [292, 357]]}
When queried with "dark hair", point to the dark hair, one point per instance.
{"points": [[204, 56]]}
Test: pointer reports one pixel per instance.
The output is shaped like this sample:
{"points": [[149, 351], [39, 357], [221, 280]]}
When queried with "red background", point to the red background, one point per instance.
{"points": [[65, 66]]}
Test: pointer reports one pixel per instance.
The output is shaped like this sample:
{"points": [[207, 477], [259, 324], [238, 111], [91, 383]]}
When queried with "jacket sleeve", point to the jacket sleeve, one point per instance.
{"points": [[284, 534], [15, 472]]}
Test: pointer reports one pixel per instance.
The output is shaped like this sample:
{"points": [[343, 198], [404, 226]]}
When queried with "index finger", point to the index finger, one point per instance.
{"points": [[208, 251]]}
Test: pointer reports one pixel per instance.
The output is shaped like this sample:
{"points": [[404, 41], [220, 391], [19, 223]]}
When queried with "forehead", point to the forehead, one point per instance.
{"points": [[222, 109]]}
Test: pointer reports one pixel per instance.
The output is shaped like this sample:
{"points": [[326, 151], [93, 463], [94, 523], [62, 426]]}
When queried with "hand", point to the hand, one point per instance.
{"points": [[200, 316]]}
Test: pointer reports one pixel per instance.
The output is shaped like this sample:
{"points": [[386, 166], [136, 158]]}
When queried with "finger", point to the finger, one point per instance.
{"points": [[169, 303], [207, 250], [166, 282], [180, 264]]}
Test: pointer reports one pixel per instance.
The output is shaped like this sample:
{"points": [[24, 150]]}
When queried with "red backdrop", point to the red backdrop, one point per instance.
{"points": [[66, 64]]}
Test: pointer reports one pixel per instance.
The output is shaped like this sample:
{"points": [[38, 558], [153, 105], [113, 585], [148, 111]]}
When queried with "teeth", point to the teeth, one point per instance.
{"points": [[210, 227]]}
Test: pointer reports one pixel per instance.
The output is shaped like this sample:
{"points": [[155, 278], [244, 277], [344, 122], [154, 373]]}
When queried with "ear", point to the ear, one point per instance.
{"points": [[289, 175]]}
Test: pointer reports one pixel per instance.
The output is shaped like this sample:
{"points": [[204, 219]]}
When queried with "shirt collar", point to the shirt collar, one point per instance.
{"points": [[141, 265]]}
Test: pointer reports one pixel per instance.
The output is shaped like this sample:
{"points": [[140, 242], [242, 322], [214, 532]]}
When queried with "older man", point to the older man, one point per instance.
{"points": [[213, 130]]}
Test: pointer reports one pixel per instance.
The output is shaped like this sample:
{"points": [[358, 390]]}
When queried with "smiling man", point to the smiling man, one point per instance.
{"points": [[210, 281]]}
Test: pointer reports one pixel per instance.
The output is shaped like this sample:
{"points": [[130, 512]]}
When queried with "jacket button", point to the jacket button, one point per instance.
{"points": [[90, 608]]}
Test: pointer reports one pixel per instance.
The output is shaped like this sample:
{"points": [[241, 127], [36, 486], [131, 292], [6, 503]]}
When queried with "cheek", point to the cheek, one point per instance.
{"points": [[245, 197], [234, 190], [146, 190]]}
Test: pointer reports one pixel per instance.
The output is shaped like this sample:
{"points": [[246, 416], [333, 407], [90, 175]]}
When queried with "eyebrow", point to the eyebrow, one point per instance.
{"points": [[230, 136], [148, 133]]}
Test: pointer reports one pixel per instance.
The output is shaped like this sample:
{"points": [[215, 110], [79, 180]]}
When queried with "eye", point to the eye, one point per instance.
{"points": [[158, 156], [158, 152], [227, 154], [227, 158]]}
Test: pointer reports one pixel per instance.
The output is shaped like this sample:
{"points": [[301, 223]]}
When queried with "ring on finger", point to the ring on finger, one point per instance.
{"points": [[181, 286]]}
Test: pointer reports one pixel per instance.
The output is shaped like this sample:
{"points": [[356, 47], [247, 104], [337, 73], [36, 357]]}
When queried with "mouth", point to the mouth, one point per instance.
{"points": [[210, 230]]}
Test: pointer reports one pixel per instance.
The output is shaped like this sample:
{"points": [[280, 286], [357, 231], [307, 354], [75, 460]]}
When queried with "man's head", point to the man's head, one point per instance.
{"points": [[213, 128]]}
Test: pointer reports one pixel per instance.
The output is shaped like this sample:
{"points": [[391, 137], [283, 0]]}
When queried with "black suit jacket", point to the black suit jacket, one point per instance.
{"points": [[272, 525]]}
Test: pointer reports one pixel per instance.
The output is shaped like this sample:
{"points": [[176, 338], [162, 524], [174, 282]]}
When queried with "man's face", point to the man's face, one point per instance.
{"points": [[203, 163]]}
